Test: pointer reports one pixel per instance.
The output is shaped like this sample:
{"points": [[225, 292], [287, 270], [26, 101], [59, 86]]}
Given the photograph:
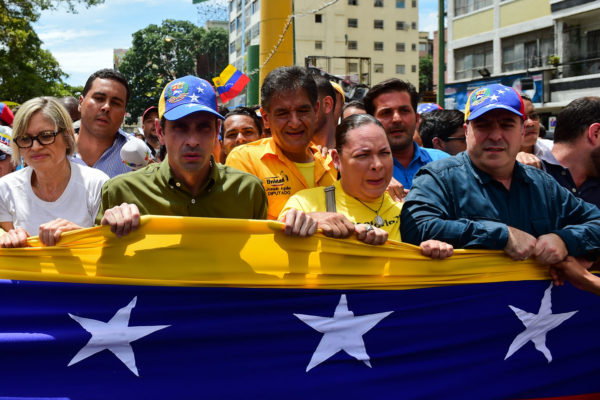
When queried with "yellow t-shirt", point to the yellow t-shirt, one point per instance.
{"points": [[308, 172], [280, 177], [313, 200]]}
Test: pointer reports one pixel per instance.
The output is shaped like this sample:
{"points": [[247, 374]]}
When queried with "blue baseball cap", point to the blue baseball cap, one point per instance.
{"points": [[493, 97], [428, 107], [185, 96]]}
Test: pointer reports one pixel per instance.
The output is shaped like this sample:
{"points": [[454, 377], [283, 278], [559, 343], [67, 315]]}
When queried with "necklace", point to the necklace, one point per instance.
{"points": [[378, 219]]}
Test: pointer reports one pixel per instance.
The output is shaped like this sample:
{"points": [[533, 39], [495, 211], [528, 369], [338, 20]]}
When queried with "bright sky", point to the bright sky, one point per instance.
{"points": [[84, 42]]}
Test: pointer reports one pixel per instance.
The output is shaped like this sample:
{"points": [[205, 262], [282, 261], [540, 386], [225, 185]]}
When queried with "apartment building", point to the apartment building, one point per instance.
{"points": [[552, 45], [352, 39]]}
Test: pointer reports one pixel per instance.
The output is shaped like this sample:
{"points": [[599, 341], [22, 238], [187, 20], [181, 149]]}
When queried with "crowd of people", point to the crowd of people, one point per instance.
{"points": [[379, 169]]}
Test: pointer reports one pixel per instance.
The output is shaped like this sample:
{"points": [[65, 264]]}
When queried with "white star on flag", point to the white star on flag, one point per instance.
{"points": [[537, 325], [500, 91], [494, 97], [194, 98], [342, 332], [200, 90], [114, 335]]}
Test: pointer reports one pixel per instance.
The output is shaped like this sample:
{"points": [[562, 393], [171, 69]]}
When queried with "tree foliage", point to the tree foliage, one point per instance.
{"points": [[27, 70], [425, 74], [162, 53]]}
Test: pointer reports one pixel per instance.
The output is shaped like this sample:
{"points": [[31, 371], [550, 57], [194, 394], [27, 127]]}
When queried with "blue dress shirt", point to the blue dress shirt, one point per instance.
{"points": [[421, 157]]}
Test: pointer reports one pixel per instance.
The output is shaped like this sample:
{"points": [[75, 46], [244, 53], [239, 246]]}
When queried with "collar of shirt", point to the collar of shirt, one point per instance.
{"points": [[166, 176], [484, 178]]}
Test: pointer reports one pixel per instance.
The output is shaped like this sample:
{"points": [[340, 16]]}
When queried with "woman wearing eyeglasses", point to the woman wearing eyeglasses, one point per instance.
{"points": [[52, 194]]}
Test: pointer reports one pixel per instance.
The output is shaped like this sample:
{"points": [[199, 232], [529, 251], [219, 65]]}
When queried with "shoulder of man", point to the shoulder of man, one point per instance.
{"points": [[230, 173], [133, 176], [435, 154], [446, 163], [252, 148]]}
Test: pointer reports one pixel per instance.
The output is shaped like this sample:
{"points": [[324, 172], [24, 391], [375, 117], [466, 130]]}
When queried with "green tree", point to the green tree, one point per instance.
{"points": [[425, 74], [162, 53], [27, 70]]}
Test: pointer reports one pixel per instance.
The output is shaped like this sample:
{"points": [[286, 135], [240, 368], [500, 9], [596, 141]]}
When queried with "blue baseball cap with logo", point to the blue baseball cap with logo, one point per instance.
{"points": [[185, 96], [493, 97], [428, 107]]}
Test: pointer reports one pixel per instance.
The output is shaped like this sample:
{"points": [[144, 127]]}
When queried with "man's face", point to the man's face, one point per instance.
{"points": [[493, 141], [6, 165], [325, 102], [189, 141], [239, 129], [532, 125], [395, 112], [103, 108], [291, 118], [454, 144], [149, 127]]}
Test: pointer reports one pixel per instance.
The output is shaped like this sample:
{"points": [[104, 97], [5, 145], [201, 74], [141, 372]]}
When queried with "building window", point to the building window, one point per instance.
{"points": [[352, 67], [400, 69], [318, 18], [468, 61], [352, 23], [232, 47], [400, 4], [414, 3], [400, 25], [352, 45], [414, 25], [466, 6], [238, 22], [352, 2], [400, 47], [255, 30], [232, 26], [413, 68], [526, 51], [378, 24], [378, 3], [378, 46], [230, 6], [318, 44], [378, 68], [413, 47], [422, 47]]}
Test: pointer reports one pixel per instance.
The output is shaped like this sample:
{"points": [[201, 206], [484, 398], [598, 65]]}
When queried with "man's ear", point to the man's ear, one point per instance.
{"points": [[593, 133], [265, 117], [327, 104], [159, 131], [80, 101], [437, 143]]}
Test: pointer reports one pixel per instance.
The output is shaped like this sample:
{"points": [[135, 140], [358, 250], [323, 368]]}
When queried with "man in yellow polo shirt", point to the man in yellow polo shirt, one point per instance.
{"points": [[286, 162]]}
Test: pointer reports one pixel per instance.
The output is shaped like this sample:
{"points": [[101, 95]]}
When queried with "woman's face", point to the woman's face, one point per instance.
{"points": [[365, 163], [40, 156]]}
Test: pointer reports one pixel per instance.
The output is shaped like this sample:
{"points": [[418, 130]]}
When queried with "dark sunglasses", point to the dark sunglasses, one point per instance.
{"points": [[463, 138]]}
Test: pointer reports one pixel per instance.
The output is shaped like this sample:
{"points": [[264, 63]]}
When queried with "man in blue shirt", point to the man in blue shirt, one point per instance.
{"points": [[483, 198], [102, 105], [394, 103]]}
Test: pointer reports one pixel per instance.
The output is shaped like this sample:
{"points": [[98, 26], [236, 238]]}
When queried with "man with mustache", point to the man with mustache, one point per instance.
{"points": [[149, 127], [102, 105], [483, 198], [188, 182], [575, 158], [533, 147], [394, 103]]}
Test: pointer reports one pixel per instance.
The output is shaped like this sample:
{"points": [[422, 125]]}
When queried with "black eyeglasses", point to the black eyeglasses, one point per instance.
{"points": [[44, 138], [532, 116], [463, 138], [3, 156]]}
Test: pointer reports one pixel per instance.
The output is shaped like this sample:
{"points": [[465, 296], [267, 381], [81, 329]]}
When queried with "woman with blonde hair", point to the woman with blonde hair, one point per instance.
{"points": [[52, 194]]}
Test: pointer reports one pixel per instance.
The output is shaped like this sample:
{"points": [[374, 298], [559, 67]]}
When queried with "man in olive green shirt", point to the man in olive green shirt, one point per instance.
{"points": [[188, 182]]}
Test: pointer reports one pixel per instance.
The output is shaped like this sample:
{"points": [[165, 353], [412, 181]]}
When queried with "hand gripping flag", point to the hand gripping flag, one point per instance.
{"points": [[230, 83], [201, 308]]}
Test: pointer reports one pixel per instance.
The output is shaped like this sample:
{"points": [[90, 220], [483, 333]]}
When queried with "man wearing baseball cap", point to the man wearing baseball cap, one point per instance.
{"points": [[483, 198], [188, 182], [6, 164], [149, 127]]}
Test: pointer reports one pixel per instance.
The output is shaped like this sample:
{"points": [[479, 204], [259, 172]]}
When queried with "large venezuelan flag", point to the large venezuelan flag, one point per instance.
{"points": [[230, 83], [188, 308]]}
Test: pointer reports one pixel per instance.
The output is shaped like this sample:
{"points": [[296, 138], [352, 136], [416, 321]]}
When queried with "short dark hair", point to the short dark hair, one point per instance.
{"points": [[285, 79], [107, 73], [575, 118], [354, 104], [525, 97], [390, 85], [325, 88], [248, 112], [353, 122], [439, 123]]}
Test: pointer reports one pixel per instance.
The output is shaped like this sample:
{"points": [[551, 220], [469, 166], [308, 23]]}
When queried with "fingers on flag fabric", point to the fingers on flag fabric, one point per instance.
{"points": [[198, 308], [230, 83]]}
